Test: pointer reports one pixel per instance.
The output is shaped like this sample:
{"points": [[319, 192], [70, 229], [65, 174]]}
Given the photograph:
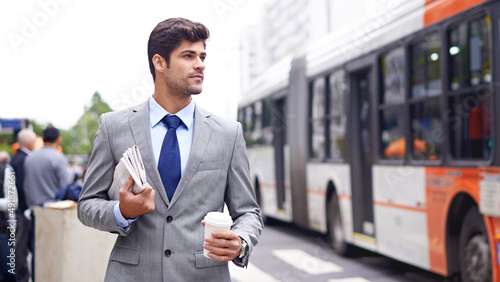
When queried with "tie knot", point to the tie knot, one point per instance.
{"points": [[171, 121]]}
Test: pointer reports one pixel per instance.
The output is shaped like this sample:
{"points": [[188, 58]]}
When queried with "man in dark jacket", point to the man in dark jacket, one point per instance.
{"points": [[26, 139]]}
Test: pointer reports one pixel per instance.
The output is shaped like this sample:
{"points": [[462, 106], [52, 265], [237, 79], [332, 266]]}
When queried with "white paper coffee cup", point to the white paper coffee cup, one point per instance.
{"points": [[216, 221]]}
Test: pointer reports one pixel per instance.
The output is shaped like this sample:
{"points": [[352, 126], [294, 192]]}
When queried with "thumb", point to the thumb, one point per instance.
{"points": [[126, 186]]}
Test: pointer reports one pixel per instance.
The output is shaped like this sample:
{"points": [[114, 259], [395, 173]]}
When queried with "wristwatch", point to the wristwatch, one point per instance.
{"points": [[244, 249]]}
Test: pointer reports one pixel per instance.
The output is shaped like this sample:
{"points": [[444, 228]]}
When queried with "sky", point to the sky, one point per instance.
{"points": [[56, 53]]}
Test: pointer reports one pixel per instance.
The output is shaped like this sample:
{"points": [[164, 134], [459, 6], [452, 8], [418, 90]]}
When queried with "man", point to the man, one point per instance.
{"points": [[161, 234], [26, 139], [45, 171], [8, 204]]}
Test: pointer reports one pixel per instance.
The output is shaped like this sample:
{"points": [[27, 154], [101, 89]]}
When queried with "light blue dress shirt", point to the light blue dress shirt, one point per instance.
{"points": [[158, 131]]}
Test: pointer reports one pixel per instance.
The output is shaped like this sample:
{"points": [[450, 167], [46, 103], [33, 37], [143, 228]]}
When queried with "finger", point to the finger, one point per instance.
{"points": [[218, 250], [224, 243], [224, 234], [147, 190], [152, 195], [203, 222], [128, 183], [220, 254]]}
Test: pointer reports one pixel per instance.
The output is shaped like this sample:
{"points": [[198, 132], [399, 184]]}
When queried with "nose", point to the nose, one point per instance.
{"points": [[199, 65]]}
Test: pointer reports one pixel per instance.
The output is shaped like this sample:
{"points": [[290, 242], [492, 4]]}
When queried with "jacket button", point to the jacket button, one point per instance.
{"points": [[168, 253], [169, 218]]}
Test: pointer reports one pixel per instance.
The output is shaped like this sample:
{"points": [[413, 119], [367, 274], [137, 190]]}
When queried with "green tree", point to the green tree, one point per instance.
{"points": [[37, 128], [80, 138]]}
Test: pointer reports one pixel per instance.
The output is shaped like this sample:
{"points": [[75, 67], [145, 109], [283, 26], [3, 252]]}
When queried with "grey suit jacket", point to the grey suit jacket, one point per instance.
{"points": [[167, 244]]}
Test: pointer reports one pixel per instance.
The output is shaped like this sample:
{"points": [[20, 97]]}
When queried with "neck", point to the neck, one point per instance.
{"points": [[169, 99], [52, 145], [171, 102]]}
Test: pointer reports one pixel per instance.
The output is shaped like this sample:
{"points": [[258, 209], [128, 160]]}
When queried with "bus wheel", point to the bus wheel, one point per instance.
{"points": [[336, 232], [474, 249]]}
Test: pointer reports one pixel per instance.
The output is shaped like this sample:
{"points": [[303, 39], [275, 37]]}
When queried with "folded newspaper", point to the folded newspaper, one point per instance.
{"points": [[130, 164]]}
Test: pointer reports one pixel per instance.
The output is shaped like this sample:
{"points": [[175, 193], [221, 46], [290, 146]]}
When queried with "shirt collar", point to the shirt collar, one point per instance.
{"points": [[25, 150], [157, 112]]}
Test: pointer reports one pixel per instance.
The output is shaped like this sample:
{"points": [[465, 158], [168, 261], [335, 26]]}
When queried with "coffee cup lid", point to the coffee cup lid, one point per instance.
{"points": [[218, 219]]}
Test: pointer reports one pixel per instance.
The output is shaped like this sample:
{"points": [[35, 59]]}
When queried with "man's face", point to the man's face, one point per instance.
{"points": [[185, 72]]}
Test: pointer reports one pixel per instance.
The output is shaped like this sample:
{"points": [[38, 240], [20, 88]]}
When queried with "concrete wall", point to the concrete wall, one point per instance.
{"points": [[66, 250]]}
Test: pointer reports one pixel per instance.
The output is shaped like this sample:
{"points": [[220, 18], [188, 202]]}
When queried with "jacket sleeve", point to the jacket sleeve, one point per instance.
{"points": [[94, 207], [240, 197]]}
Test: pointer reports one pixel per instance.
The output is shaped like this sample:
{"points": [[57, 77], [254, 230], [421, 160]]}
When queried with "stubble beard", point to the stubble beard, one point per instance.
{"points": [[182, 87]]}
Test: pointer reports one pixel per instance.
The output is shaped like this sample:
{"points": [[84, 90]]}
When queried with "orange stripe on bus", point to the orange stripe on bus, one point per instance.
{"points": [[316, 192], [398, 206], [438, 10], [267, 185], [345, 197]]}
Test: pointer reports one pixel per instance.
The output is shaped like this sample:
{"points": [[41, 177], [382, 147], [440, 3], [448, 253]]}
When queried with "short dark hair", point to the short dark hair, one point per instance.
{"points": [[169, 34], [50, 134]]}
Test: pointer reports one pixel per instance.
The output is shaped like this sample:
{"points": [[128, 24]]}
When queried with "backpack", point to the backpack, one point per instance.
{"points": [[69, 192]]}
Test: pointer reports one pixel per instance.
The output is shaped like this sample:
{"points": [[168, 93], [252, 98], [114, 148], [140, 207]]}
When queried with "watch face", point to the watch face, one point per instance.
{"points": [[244, 249]]}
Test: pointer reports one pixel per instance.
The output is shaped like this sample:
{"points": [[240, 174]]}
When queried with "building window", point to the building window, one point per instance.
{"points": [[337, 115], [470, 114], [317, 119], [426, 88], [391, 107]]}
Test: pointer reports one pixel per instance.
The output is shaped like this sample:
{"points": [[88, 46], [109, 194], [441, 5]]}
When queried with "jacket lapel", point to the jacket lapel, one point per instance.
{"points": [[201, 135], [140, 127]]}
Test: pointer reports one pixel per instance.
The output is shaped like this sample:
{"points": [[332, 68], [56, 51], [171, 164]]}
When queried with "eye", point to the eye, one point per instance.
{"points": [[202, 58], [187, 56]]}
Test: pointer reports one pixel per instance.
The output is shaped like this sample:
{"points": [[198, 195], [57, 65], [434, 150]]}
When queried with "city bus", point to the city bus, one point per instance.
{"points": [[382, 136]]}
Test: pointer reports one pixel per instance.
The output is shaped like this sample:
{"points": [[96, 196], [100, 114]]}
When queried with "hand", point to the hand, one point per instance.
{"points": [[132, 206], [223, 245]]}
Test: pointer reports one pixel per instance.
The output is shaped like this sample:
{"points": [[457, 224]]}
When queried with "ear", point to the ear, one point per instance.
{"points": [[159, 63]]}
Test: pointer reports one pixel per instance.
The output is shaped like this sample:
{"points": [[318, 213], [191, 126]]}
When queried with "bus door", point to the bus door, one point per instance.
{"points": [[361, 153], [279, 142]]}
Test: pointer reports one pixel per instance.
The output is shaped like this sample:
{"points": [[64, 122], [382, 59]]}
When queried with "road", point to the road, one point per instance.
{"points": [[287, 253]]}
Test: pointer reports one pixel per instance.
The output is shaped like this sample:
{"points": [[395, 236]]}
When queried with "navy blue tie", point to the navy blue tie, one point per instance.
{"points": [[169, 164]]}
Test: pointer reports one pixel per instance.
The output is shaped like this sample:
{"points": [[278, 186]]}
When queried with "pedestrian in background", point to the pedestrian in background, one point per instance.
{"points": [[46, 171], [26, 139], [8, 205]]}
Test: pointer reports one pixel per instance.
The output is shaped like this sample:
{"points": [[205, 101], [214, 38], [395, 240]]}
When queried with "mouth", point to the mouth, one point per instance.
{"points": [[199, 76]]}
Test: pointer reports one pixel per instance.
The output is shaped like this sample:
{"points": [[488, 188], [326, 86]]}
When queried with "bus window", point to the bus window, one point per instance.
{"points": [[256, 135], [469, 116], [337, 115], [393, 141], [470, 125], [425, 113], [392, 105], [267, 113], [241, 118], [258, 115], [317, 119], [393, 71], [470, 54], [426, 130], [249, 124], [267, 130], [425, 70]]}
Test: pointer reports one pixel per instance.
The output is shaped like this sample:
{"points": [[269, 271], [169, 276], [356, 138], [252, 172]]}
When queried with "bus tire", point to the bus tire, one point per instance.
{"points": [[474, 249], [336, 232]]}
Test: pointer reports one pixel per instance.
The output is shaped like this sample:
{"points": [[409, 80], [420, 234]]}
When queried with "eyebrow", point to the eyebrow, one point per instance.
{"points": [[193, 52]]}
